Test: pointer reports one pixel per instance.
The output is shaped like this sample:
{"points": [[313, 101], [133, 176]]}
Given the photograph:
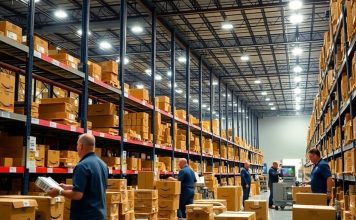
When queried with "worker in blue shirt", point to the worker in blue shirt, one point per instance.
{"points": [[88, 192], [245, 181], [187, 178], [321, 180], [273, 177]]}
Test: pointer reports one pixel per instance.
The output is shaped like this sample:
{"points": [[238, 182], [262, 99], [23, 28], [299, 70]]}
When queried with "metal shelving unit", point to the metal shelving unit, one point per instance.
{"points": [[16, 57]]}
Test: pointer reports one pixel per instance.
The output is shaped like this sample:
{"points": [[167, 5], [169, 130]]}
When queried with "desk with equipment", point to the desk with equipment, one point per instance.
{"points": [[282, 191]]}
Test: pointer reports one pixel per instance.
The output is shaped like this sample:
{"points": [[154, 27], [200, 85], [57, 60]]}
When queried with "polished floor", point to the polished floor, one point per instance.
{"points": [[274, 214]]}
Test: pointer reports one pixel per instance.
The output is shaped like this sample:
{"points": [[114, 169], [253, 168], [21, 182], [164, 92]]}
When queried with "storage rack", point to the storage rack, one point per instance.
{"points": [[320, 141], [16, 56]]}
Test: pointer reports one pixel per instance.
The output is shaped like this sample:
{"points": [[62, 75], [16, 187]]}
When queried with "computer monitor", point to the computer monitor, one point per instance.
{"points": [[288, 171]]}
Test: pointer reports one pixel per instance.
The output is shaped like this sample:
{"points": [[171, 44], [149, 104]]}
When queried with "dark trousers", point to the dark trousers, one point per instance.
{"points": [[186, 198], [270, 203], [246, 193]]}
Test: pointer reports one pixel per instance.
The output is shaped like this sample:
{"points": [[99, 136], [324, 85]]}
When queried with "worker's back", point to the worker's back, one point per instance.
{"points": [[187, 178]]}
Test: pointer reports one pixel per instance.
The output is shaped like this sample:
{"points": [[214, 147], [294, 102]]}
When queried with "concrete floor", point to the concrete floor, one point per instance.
{"points": [[273, 214]]}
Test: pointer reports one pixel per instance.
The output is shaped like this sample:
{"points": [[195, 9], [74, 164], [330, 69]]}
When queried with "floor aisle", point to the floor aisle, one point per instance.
{"points": [[273, 214]]}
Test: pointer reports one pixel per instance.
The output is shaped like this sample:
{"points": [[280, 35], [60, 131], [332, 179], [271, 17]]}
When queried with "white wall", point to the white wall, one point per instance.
{"points": [[283, 137]]}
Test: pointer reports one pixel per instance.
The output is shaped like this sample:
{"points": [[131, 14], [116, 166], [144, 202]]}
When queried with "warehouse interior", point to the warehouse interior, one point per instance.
{"points": [[233, 87]]}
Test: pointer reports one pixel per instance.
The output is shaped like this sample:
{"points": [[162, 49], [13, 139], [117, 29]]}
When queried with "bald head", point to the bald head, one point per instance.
{"points": [[247, 165], [87, 140], [182, 162]]}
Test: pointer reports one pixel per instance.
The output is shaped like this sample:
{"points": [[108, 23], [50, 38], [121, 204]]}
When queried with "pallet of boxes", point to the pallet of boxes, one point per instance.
{"points": [[119, 200], [146, 197], [211, 183], [168, 199]]}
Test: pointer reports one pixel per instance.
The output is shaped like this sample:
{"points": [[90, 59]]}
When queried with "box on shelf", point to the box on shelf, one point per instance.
{"points": [[146, 180], [313, 212], [140, 94], [39, 44], [7, 91], [109, 66], [94, 70], [6, 161], [104, 121], [52, 158], [102, 109], [11, 30], [65, 58]]}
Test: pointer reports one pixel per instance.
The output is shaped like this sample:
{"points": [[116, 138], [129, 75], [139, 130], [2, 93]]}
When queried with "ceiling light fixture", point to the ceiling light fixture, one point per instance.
{"points": [[215, 83], [297, 90], [203, 105], [244, 57], [297, 69], [126, 60], [136, 29], [268, 99], [257, 81], [263, 93], [79, 32], [295, 5], [227, 25], [169, 73], [158, 77], [298, 107], [273, 108], [298, 99], [182, 59], [297, 79], [195, 100], [179, 91], [170, 85], [297, 51], [140, 86], [148, 72], [61, 14], [271, 103], [296, 18], [105, 45]]}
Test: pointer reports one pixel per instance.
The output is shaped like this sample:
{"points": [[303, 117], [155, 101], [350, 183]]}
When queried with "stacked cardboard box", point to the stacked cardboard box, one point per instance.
{"points": [[52, 158], [68, 158], [112, 162], [168, 198], [311, 199], [181, 114], [133, 163], [167, 162], [40, 45], [14, 208], [200, 211], [208, 146], [236, 215], [146, 202], [350, 161], [163, 103], [11, 149], [7, 90], [11, 31], [94, 70], [195, 144], [104, 117], [259, 207], [119, 186], [206, 125], [141, 94], [232, 195], [136, 125], [219, 206], [313, 212], [300, 189], [112, 204], [216, 127], [110, 72], [19, 109], [147, 179], [61, 110], [63, 57], [211, 182], [193, 120]]}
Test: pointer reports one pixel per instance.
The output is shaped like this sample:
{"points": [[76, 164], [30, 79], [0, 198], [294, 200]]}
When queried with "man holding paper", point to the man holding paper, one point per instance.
{"points": [[89, 183]]}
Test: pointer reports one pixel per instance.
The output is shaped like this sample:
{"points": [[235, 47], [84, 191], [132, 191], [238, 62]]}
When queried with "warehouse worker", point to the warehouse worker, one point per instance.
{"points": [[187, 178], [88, 191], [321, 180], [273, 177], [245, 181]]}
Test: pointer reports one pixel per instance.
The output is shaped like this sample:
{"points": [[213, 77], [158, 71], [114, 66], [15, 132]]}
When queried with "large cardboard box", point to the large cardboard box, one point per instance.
{"points": [[40, 155], [219, 205], [102, 109], [11, 31], [312, 212], [140, 94], [6, 162], [232, 195], [146, 205], [52, 158], [260, 207], [112, 209], [236, 216], [168, 187], [47, 207], [200, 212], [104, 121], [109, 66], [167, 215], [117, 184], [7, 92], [146, 180], [168, 204], [113, 197], [311, 199], [145, 194], [132, 163], [17, 209], [300, 189]]}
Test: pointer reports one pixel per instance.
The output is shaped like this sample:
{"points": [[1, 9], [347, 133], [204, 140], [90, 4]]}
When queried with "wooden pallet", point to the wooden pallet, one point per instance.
{"points": [[112, 83], [111, 131], [67, 122]]}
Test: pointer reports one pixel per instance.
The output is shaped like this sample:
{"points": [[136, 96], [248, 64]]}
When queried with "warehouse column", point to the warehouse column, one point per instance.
{"points": [[123, 24], [84, 63], [200, 112], [173, 96], [153, 82], [187, 99], [211, 111], [28, 90], [219, 100]]}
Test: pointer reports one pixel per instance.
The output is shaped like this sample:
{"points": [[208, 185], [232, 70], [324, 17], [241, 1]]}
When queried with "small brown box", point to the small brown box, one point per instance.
{"points": [[52, 158]]}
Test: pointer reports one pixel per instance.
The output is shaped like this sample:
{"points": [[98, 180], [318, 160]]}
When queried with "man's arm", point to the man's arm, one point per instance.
{"points": [[69, 194], [329, 184]]}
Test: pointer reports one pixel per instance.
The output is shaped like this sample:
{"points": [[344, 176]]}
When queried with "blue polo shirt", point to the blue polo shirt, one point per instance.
{"points": [[90, 177], [245, 178], [186, 176], [319, 175]]}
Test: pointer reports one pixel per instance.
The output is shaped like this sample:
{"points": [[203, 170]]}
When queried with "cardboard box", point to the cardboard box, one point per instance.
{"points": [[167, 214], [52, 158], [311, 199], [112, 209], [111, 161], [353, 205], [132, 163], [113, 197], [7, 100], [6, 162], [40, 155], [146, 194], [200, 212], [163, 99], [110, 66], [94, 70], [120, 196], [232, 195], [130, 215], [236, 216], [146, 180], [168, 187], [260, 207], [300, 189], [47, 207], [169, 204], [102, 109], [11, 31], [139, 94], [117, 184], [146, 205], [39, 44], [104, 121], [146, 216], [15, 209], [312, 212], [219, 205]]}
